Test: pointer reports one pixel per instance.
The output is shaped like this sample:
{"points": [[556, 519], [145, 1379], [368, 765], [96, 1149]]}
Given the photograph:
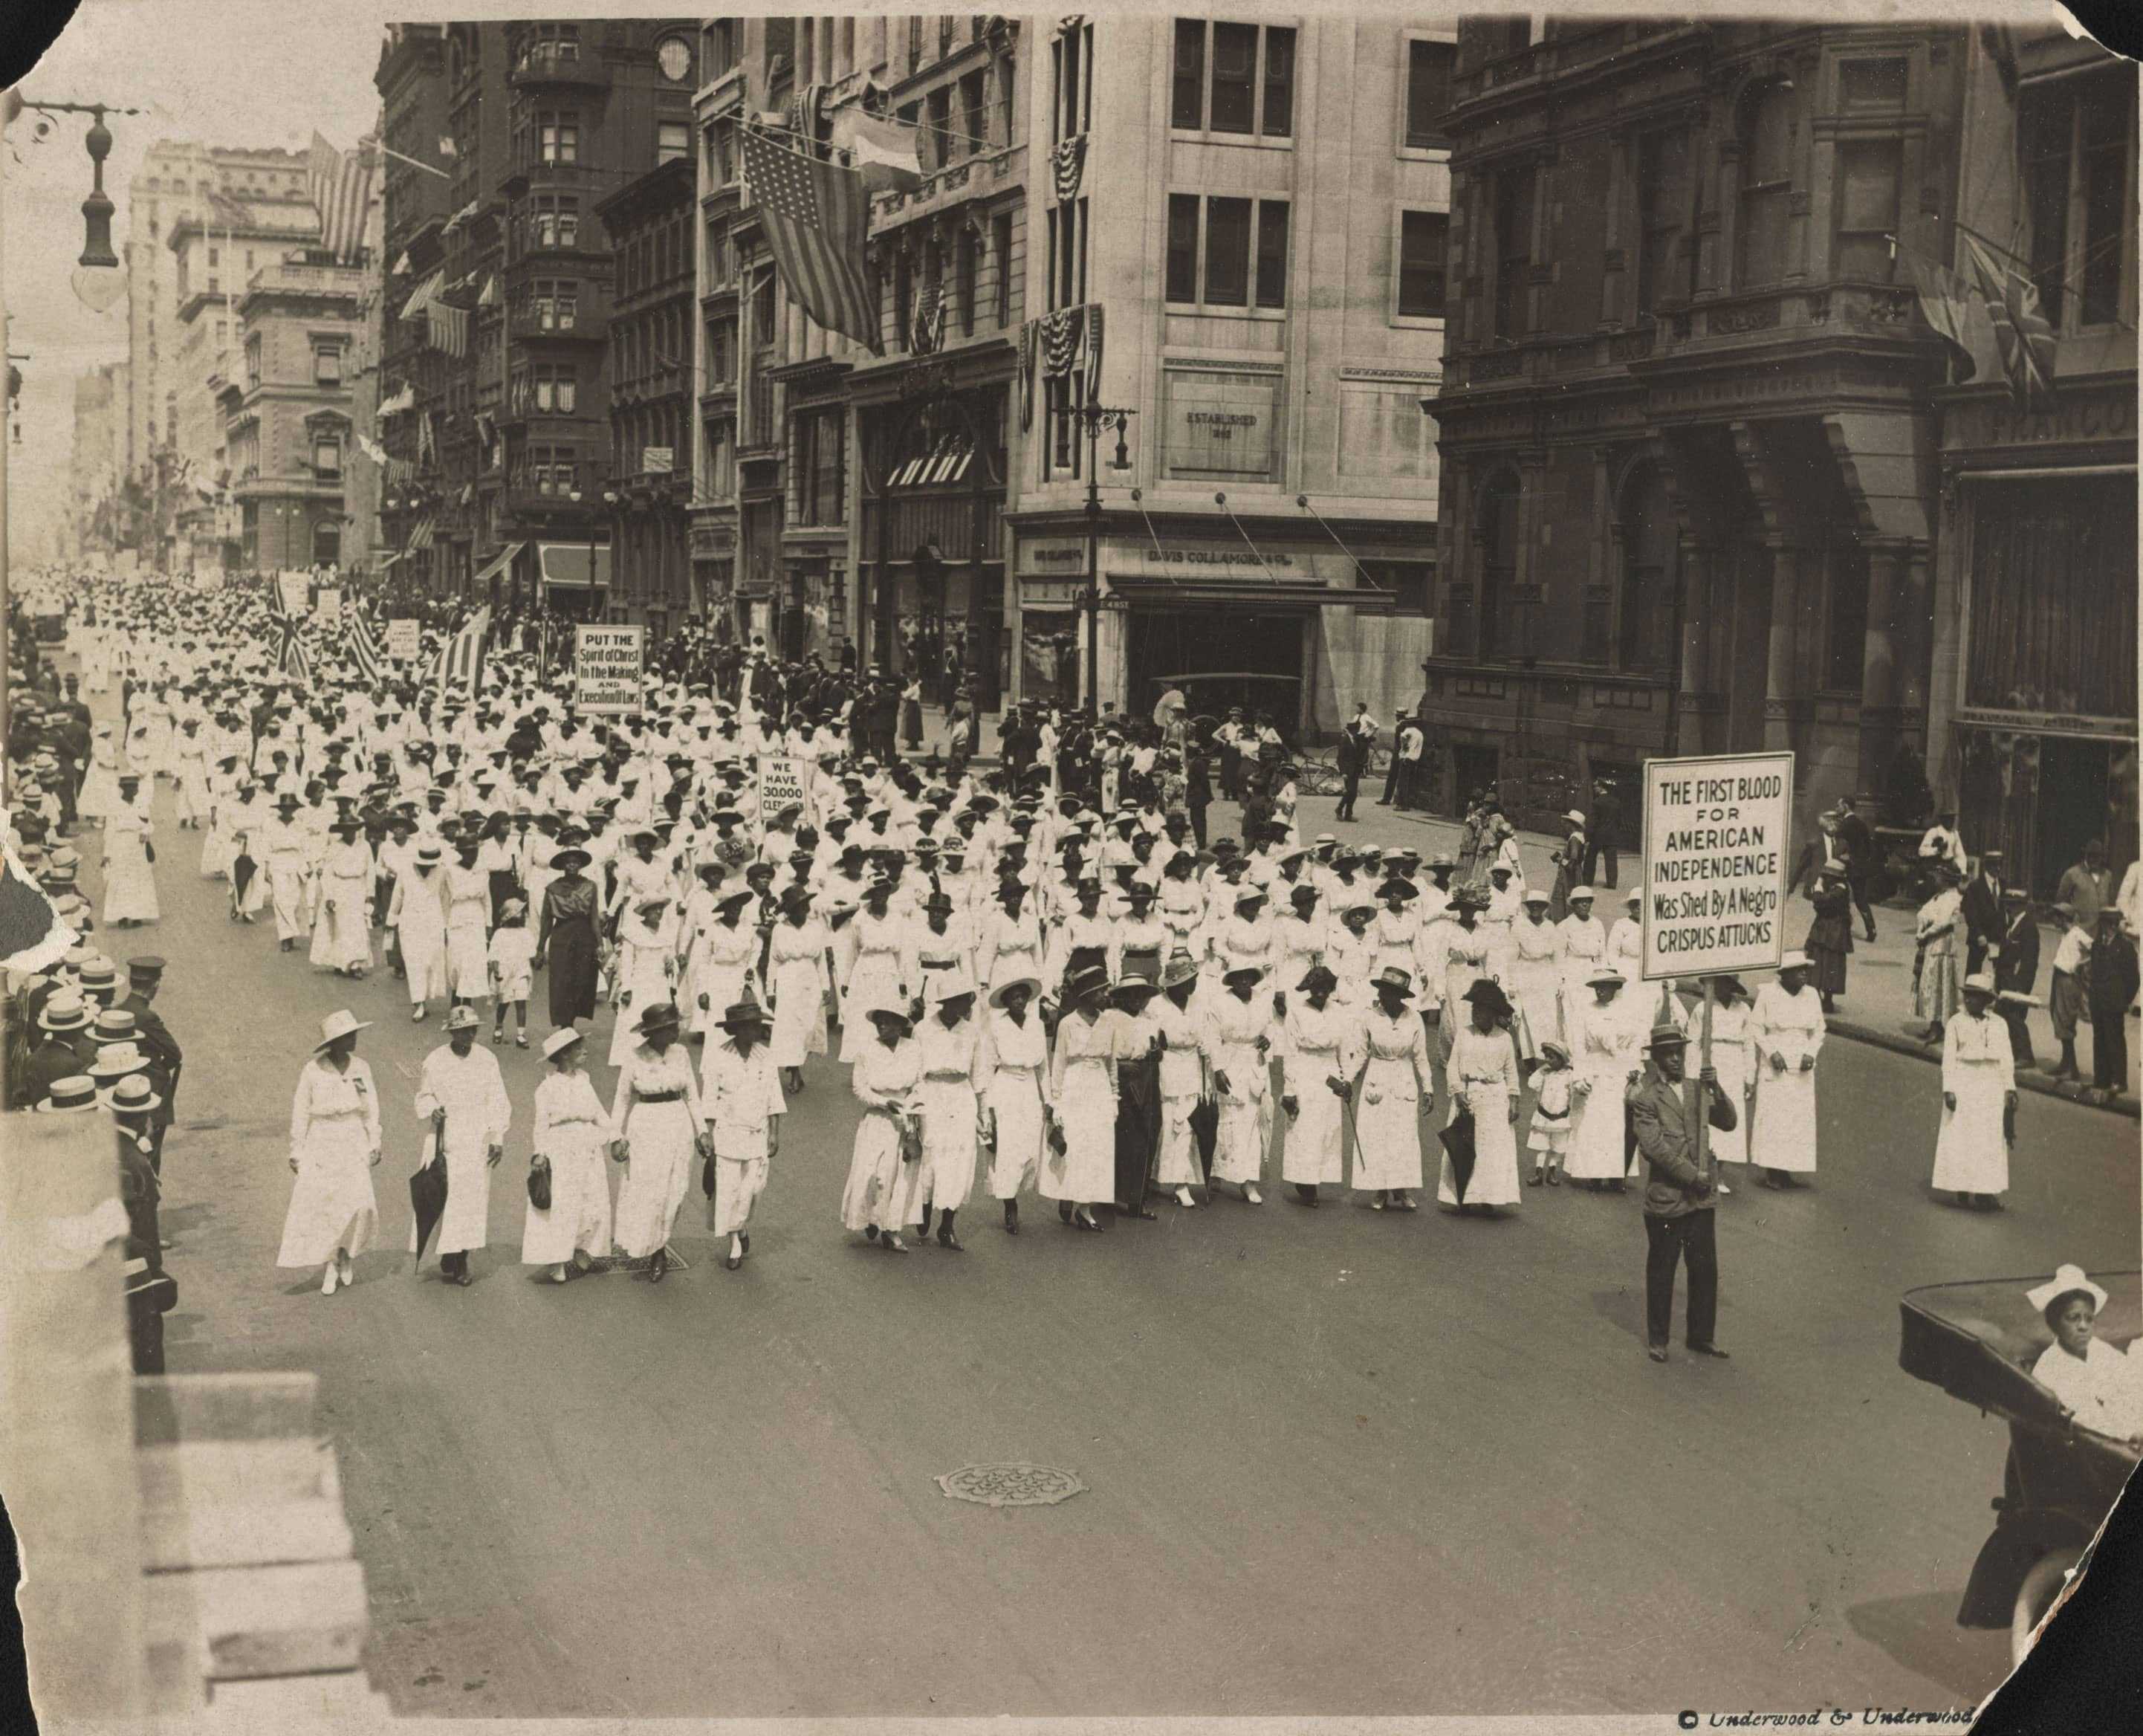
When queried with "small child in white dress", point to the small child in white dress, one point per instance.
{"points": [[1549, 1136], [513, 954]]}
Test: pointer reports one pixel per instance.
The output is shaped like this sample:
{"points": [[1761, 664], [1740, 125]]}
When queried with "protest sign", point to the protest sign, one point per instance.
{"points": [[607, 662], [329, 605], [782, 780], [1716, 836], [295, 591], [404, 640]]}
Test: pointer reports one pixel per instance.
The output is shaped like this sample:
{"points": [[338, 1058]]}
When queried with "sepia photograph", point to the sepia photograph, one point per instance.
{"points": [[1294, 851]]}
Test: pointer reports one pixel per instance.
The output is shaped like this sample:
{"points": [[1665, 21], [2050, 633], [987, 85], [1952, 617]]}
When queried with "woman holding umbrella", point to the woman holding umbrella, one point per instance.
{"points": [[1395, 1080], [1484, 1091], [571, 1129], [656, 1126], [335, 1147], [884, 1185], [568, 928]]}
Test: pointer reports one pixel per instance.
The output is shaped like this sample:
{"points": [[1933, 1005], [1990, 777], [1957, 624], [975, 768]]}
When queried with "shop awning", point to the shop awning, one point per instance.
{"points": [[1142, 591], [498, 563], [567, 563]]}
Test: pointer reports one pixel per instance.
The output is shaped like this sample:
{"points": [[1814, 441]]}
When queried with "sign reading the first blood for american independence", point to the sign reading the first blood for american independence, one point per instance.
{"points": [[1716, 834]]}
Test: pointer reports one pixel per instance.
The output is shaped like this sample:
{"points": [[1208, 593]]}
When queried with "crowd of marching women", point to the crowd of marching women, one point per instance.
{"points": [[1039, 976]]}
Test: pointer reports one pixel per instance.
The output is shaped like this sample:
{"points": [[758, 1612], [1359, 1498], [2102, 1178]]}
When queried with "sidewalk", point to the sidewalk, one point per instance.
{"points": [[1877, 1006]]}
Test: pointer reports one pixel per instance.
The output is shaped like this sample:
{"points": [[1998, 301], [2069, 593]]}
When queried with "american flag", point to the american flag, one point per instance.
{"points": [[341, 187], [929, 330], [815, 214], [365, 650], [460, 665]]}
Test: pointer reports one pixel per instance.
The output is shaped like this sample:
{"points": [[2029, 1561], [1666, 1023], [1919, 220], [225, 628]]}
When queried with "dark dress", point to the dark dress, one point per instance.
{"points": [[569, 947], [1829, 937]]}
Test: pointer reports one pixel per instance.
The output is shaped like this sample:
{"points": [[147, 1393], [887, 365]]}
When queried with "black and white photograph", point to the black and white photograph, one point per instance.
{"points": [[1294, 854]]}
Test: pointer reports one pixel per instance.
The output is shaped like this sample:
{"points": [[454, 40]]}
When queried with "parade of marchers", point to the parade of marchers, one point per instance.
{"points": [[1034, 978]]}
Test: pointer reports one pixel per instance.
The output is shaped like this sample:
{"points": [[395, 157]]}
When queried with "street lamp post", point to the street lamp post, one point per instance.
{"points": [[1093, 417]]}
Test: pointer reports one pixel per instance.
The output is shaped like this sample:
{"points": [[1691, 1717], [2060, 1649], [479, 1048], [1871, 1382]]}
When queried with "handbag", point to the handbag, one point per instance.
{"points": [[539, 1184]]}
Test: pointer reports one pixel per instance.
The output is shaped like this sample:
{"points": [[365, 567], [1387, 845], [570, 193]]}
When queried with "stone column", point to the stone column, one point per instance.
{"points": [[1917, 702], [1879, 715], [1781, 688]]}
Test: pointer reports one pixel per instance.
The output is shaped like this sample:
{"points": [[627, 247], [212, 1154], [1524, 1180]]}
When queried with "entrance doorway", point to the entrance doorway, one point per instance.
{"points": [[1472, 767], [1220, 657]]}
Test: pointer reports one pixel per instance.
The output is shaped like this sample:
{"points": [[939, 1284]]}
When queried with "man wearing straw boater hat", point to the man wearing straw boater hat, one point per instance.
{"points": [[1679, 1189]]}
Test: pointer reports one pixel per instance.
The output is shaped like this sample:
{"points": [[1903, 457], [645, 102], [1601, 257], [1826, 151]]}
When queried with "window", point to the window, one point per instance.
{"points": [[1499, 565], [555, 306], [762, 309], [1007, 92], [1233, 78], [673, 139], [1182, 277], [964, 281], [820, 459], [1074, 102], [1428, 93], [721, 353], [327, 457], [253, 360], [941, 146], [1662, 208], [558, 137], [1422, 244], [1001, 252], [555, 222], [720, 477], [1227, 252], [1767, 186], [1648, 538], [1272, 253], [1514, 248], [2074, 139], [718, 47], [903, 297], [327, 365], [212, 257], [1867, 181], [1871, 84], [1406, 581], [557, 389], [974, 113], [1236, 233]]}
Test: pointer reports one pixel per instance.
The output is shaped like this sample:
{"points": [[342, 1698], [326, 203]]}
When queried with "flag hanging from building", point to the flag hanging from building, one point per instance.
{"points": [[365, 650], [1067, 165], [460, 666], [290, 658], [2023, 338], [340, 183], [371, 448], [1942, 300], [886, 154], [447, 327], [927, 330], [815, 214]]}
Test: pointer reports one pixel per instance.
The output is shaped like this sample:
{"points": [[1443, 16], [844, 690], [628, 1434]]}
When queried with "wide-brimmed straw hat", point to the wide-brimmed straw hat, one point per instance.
{"points": [[337, 1025], [2066, 1281], [1032, 985]]}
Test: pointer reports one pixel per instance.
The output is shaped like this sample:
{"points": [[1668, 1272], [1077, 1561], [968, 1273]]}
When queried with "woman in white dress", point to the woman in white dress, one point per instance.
{"points": [[1016, 1074], [1979, 1101], [1606, 1052], [342, 937], [1733, 1061], [886, 971], [469, 929], [130, 881], [949, 1050], [1185, 1083], [335, 1147], [1584, 950], [100, 786], [655, 1128], [1484, 1081], [1080, 1172], [646, 958], [883, 1192], [573, 1129], [740, 1096], [1320, 1052], [1786, 1031], [1395, 1080], [1238, 1039], [1535, 963], [721, 964], [220, 836], [796, 980]]}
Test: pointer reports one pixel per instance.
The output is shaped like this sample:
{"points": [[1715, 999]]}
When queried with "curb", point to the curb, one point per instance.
{"points": [[1897, 1043]]}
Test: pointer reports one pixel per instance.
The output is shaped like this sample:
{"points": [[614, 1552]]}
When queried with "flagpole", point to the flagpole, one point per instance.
{"points": [[412, 162]]}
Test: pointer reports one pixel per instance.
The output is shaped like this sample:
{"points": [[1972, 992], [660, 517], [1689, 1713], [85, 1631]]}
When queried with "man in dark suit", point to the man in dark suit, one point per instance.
{"points": [[145, 975], [1863, 856], [1679, 1193], [1355, 743], [1602, 828], [2016, 969], [1983, 912]]}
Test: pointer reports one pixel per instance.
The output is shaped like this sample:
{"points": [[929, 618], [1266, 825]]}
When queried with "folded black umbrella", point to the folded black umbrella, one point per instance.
{"points": [[241, 874], [427, 1197], [1458, 1144]]}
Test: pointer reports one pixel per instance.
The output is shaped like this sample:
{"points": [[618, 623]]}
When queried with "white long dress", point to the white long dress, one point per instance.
{"points": [[1484, 1078], [1396, 1076], [646, 956], [1731, 1060], [1183, 1083], [1315, 1047], [473, 1091], [886, 972], [334, 1129], [1016, 1073], [796, 982], [572, 1130], [1979, 1070], [1535, 966], [1083, 1087], [130, 881], [468, 933], [1791, 1027], [1244, 1134], [342, 937], [1606, 1048], [949, 1099], [722, 962], [418, 915], [883, 1191], [655, 1110], [99, 794], [740, 1096]]}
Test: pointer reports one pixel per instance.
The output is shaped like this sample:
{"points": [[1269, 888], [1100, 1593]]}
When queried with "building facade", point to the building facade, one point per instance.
{"points": [[653, 232], [506, 288], [1694, 422], [98, 462]]}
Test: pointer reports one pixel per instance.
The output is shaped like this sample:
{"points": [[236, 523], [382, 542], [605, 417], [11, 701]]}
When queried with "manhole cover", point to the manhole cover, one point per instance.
{"points": [[1011, 1485]]}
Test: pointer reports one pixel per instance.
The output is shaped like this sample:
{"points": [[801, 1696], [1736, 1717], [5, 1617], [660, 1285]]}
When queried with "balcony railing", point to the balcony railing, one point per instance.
{"points": [[542, 64]]}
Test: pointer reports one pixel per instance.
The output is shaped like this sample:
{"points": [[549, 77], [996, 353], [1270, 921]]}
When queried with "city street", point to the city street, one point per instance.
{"points": [[1336, 1462]]}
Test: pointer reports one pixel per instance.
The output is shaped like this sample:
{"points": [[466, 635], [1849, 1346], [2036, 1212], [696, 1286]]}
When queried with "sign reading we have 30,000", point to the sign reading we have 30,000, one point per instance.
{"points": [[1717, 832]]}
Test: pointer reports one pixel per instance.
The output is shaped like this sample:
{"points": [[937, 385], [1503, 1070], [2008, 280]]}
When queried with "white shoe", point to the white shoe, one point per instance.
{"points": [[417, 1013], [328, 1280], [1251, 1194], [344, 1273], [1183, 1197]]}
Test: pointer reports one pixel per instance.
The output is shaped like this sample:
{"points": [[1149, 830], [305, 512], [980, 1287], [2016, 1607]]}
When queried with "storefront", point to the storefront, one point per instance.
{"points": [[713, 543], [574, 577], [2039, 640]]}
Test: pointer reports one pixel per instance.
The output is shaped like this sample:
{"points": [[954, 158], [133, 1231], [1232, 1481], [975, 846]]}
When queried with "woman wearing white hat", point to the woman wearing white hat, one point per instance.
{"points": [[2101, 1384], [796, 982], [1979, 1100], [1080, 1171], [741, 1094], [1016, 1070], [1626, 937], [571, 1129], [1584, 950], [1535, 961], [950, 1053], [1606, 1051], [1184, 1083], [647, 967], [1786, 1031], [334, 1146], [417, 914], [886, 970]]}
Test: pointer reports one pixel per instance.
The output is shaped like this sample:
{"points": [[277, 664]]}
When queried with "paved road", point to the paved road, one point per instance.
{"points": [[1340, 1463]]}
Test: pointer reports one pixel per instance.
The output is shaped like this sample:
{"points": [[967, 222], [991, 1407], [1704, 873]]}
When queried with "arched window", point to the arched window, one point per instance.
{"points": [[1499, 564], [1767, 186], [1645, 620]]}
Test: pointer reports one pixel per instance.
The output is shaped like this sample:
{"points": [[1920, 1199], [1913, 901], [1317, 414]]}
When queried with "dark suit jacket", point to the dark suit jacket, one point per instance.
{"points": [[2018, 967], [1673, 1187], [165, 1058], [1982, 920]]}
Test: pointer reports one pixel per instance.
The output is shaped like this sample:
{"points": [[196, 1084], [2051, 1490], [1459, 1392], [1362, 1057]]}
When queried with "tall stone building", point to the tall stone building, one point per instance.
{"points": [[1706, 488], [97, 464]]}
